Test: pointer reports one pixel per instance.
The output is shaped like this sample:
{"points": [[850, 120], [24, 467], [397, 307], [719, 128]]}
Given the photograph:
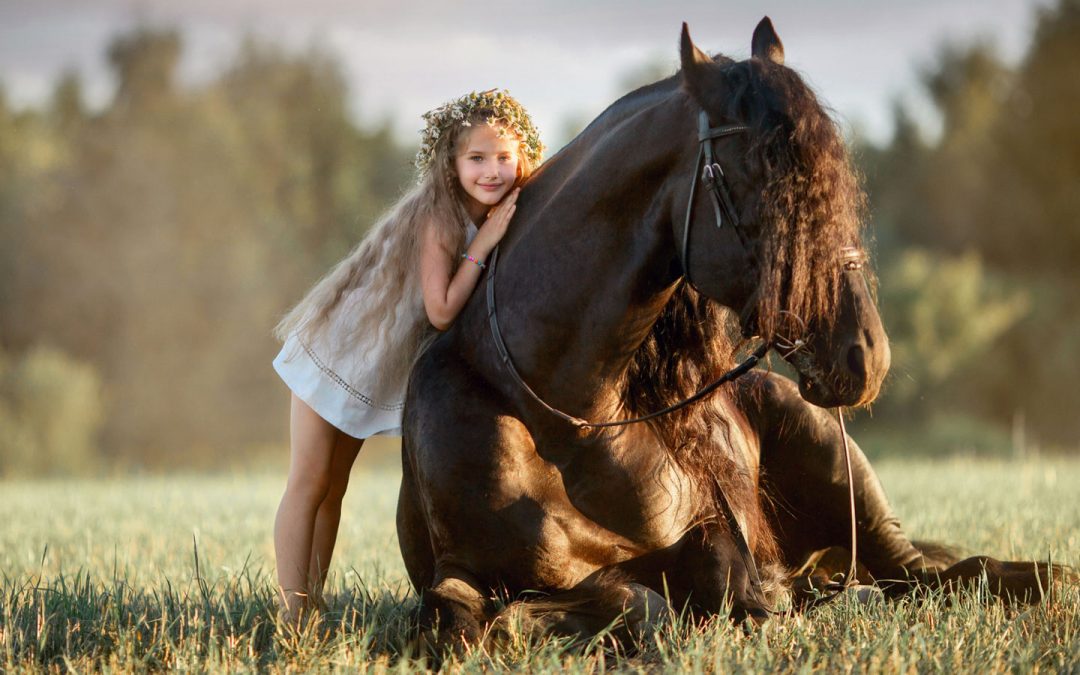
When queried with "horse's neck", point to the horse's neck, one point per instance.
{"points": [[588, 267]]}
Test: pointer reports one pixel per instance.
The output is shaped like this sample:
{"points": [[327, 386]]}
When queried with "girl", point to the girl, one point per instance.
{"points": [[351, 342]]}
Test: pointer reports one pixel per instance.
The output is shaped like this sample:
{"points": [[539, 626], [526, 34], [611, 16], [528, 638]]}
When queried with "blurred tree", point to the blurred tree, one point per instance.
{"points": [[968, 86], [144, 62], [51, 411], [9, 217], [943, 313], [1001, 181], [327, 179], [1031, 214], [67, 107], [160, 239], [27, 151], [892, 175], [1029, 226]]}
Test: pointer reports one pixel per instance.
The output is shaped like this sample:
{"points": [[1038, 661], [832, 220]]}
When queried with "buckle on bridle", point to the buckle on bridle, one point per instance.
{"points": [[786, 345], [852, 258], [710, 172]]}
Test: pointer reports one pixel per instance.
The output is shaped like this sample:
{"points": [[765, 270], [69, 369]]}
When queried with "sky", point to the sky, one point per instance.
{"points": [[563, 59]]}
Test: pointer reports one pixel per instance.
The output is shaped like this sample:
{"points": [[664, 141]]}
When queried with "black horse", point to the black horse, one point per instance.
{"points": [[724, 191]]}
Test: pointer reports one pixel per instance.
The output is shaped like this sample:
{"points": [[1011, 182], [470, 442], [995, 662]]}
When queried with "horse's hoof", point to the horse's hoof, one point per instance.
{"points": [[863, 594], [750, 618]]}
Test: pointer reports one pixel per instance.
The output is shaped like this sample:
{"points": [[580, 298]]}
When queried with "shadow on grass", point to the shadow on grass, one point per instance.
{"points": [[73, 621]]}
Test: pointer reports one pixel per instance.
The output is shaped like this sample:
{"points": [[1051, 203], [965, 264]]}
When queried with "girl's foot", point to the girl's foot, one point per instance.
{"points": [[296, 609]]}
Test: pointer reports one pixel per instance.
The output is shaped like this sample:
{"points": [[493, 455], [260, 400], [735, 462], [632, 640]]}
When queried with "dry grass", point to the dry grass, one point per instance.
{"points": [[152, 573]]}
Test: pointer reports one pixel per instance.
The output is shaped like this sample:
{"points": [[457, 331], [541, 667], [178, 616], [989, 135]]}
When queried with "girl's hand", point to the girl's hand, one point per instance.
{"points": [[445, 289], [497, 221]]}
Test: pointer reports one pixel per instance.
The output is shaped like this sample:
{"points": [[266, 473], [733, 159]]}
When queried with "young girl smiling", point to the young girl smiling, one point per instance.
{"points": [[351, 342]]}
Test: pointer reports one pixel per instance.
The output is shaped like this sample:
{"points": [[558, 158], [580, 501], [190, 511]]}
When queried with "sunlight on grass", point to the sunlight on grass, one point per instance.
{"points": [[102, 574]]}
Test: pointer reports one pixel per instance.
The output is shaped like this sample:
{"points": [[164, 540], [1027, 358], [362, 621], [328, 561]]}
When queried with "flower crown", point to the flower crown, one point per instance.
{"points": [[508, 113]]}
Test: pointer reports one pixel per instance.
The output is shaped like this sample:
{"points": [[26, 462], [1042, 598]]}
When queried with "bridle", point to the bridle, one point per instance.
{"points": [[794, 349], [712, 176]]}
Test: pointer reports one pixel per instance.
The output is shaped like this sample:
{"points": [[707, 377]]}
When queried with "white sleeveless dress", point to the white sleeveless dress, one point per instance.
{"points": [[337, 384]]}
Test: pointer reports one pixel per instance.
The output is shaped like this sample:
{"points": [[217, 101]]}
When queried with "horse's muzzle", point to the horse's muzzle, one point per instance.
{"points": [[854, 379]]}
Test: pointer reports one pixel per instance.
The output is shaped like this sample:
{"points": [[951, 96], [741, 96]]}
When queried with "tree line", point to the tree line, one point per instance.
{"points": [[978, 235], [158, 240], [147, 249]]}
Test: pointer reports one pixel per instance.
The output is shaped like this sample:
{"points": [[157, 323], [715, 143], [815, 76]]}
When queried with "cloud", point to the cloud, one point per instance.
{"points": [[561, 57]]}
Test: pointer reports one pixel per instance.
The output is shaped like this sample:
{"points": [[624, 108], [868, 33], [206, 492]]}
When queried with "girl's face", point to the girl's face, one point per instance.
{"points": [[487, 167]]}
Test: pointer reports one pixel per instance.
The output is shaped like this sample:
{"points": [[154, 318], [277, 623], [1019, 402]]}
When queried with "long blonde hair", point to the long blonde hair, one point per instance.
{"points": [[384, 268]]}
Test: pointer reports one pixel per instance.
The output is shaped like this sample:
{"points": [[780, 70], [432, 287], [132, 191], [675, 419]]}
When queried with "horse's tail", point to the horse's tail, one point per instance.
{"points": [[607, 607]]}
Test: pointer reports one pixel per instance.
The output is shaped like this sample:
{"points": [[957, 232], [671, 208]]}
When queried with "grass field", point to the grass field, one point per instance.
{"points": [[164, 572]]}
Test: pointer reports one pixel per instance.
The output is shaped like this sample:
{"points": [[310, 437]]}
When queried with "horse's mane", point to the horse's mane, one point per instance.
{"points": [[690, 345], [809, 207]]}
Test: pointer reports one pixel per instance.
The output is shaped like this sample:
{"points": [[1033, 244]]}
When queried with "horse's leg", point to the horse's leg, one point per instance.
{"points": [[1023, 581], [453, 612], [804, 478], [606, 602], [713, 575], [803, 474], [413, 536], [452, 608]]}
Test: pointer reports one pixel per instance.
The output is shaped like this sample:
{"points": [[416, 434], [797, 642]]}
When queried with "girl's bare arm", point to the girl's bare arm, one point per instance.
{"points": [[445, 289]]}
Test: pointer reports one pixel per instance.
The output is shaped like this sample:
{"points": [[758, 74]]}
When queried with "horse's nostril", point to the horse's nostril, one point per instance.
{"points": [[856, 361]]}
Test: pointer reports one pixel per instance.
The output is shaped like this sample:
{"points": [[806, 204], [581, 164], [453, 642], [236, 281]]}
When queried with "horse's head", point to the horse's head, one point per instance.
{"points": [[772, 228]]}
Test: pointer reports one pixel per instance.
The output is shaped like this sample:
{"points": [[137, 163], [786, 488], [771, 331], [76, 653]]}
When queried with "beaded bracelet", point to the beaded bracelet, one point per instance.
{"points": [[466, 256]]}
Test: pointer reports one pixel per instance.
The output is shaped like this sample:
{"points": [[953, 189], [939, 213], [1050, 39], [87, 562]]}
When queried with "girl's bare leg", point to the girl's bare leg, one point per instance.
{"points": [[329, 515], [312, 441]]}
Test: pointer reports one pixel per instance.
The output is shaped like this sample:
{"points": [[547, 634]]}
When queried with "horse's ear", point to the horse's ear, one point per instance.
{"points": [[766, 44], [693, 62]]}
